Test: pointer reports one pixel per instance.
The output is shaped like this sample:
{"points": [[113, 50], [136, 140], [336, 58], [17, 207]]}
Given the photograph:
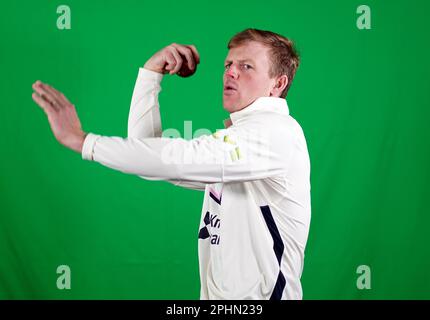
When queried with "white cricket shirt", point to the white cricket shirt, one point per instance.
{"points": [[255, 175]]}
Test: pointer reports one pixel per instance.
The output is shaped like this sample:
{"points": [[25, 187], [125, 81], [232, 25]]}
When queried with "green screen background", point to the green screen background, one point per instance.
{"points": [[361, 97]]}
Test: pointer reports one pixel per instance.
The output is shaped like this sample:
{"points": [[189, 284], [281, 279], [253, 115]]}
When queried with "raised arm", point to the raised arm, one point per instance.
{"points": [[144, 120]]}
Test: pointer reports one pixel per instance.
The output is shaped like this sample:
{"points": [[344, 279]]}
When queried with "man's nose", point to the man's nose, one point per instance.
{"points": [[232, 72]]}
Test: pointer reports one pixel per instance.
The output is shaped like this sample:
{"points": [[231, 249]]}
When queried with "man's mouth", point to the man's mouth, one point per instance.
{"points": [[229, 90]]}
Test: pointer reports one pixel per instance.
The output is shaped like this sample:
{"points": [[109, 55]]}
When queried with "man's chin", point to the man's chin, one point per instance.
{"points": [[228, 106]]}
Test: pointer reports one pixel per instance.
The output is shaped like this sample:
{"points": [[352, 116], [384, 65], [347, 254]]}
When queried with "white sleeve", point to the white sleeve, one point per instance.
{"points": [[144, 119], [227, 156]]}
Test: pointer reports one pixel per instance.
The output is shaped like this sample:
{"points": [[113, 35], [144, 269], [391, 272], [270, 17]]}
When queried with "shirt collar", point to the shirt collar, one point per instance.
{"points": [[260, 105]]}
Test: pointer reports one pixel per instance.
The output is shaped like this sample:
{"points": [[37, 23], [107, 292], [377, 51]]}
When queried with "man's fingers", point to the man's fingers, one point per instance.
{"points": [[178, 61], [44, 94], [195, 53], [171, 61], [37, 86], [44, 104], [60, 95], [188, 55], [57, 100]]}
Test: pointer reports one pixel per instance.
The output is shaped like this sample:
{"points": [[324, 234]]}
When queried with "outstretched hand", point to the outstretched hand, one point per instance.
{"points": [[62, 116]]}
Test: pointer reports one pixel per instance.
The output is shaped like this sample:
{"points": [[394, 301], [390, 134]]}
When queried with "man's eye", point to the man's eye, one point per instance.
{"points": [[245, 66]]}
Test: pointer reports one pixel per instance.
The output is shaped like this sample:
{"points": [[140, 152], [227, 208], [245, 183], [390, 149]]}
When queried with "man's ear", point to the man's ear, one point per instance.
{"points": [[280, 85]]}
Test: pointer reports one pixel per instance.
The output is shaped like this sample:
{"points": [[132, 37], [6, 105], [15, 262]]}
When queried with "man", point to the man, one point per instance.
{"points": [[255, 174]]}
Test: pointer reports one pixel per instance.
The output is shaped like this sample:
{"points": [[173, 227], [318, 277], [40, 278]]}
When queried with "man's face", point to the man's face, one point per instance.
{"points": [[247, 71]]}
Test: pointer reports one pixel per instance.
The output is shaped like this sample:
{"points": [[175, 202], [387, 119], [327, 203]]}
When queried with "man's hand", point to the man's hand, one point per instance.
{"points": [[61, 115], [175, 58]]}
